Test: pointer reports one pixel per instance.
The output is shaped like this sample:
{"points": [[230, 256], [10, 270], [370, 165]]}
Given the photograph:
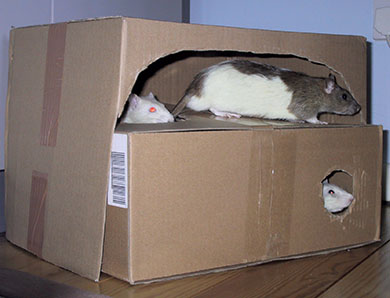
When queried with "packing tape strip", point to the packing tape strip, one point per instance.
{"points": [[48, 136], [281, 203], [255, 227], [53, 84], [36, 218]]}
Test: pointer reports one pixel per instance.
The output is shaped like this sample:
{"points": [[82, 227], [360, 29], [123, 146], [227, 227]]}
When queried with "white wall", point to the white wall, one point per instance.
{"points": [[332, 16], [2, 219], [18, 13], [166, 10]]}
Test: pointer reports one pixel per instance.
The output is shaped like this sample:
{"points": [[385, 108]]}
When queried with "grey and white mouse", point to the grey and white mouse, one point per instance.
{"points": [[335, 198], [146, 109], [237, 88]]}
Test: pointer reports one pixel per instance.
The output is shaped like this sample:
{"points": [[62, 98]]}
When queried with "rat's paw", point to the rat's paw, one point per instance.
{"points": [[314, 120], [224, 114]]}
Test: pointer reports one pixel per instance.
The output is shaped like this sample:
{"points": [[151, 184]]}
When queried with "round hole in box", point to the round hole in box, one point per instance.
{"points": [[337, 192]]}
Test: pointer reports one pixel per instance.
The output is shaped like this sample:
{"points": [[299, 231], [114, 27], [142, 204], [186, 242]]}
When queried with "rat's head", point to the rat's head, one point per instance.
{"points": [[146, 109], [336, 199], [338, 100]]}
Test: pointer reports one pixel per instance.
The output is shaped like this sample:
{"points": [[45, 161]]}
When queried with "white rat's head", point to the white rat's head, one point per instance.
{"points": [[146, 109], [336, 199]]}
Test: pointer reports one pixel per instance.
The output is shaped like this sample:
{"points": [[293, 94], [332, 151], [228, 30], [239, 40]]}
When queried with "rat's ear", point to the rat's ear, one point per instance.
{"points": [[151, 94], [134, 100], [332, 77], [330, 83]]}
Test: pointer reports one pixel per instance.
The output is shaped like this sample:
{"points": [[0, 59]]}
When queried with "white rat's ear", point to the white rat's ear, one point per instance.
{"points": [[330, 84], [134, 100], [151, 94], [332, 77]]}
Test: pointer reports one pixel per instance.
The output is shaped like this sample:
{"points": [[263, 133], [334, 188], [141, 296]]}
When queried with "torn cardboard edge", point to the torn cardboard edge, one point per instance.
{"points": [[256, 54], [252, 264]]}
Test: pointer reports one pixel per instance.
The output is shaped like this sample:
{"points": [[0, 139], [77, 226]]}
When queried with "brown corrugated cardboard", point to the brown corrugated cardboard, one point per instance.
{"points": [[69, 82], [76, 166], [225, 198]]}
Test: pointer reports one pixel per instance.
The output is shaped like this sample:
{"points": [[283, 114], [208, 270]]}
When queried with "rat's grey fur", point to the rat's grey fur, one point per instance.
{"points": [[310, 95]]}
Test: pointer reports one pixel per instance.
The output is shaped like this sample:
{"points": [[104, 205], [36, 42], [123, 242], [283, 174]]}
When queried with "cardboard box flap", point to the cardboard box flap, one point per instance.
{"points": [[62, 103]]}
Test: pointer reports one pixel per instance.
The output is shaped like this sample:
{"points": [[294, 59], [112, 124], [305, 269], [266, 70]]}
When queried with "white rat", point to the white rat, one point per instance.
{"points": [[336, 199], [146, 109], [237, 88]]}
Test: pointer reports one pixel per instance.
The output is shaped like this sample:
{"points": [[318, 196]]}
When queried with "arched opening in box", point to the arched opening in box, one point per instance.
{"points": [[169, 76], [337, 192]]}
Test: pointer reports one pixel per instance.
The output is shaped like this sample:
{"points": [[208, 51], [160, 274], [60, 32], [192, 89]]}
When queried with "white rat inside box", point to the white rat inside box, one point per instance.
{"points": [[68, 85]]}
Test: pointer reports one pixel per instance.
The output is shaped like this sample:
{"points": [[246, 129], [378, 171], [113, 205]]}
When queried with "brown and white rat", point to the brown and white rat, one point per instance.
{"points": [[146, 109], [237, 88], [335, 198]]}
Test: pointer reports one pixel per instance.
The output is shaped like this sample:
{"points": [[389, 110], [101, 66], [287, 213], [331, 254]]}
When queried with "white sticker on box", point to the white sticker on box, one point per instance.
{"points": [[117, 184]]}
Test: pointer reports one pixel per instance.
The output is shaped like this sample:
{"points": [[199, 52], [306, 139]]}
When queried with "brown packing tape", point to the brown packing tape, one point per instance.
{"points": [[281, 202], [36, 218], [254, 201], [53, 83], [259, 193], [48, 136]]}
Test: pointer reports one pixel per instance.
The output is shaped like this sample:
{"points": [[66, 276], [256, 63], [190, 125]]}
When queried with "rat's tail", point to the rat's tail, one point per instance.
{"points": [[179, 107]]}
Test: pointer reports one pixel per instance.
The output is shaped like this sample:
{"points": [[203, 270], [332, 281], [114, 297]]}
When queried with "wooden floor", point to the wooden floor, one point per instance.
{"points": [[360, 272]]}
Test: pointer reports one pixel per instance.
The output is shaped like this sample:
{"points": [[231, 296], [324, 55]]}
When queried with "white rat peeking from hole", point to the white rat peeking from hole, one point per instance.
{"points": [[146, 109], [336, 199]]}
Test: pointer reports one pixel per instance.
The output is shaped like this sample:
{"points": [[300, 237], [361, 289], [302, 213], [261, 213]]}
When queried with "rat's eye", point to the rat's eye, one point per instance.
{"points": [[344, 96], [152, 109], [331, 192]]}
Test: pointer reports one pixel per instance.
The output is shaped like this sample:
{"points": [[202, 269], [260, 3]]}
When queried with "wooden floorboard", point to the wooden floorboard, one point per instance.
{"points": [[369, 279], [16, 283], [359, 272]]}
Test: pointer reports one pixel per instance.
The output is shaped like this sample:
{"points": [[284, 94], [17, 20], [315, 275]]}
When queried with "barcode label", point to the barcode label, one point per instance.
{"points": [[117, 186]]}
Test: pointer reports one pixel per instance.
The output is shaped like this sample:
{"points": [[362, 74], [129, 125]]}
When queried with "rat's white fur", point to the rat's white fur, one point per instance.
{"points": [[138, 110], [338, 201], [226, 90]]}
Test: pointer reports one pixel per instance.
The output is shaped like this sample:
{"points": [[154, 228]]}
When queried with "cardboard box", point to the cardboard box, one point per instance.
{"points": [[239, 196], [68, 84]]}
